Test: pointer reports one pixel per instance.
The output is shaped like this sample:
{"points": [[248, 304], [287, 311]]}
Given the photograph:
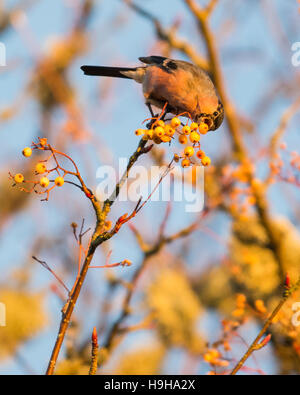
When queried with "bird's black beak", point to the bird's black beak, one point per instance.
{"points": [[209, 122]]}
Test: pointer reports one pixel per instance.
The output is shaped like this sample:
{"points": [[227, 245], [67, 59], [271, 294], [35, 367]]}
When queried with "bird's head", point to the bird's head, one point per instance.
{"points": [[215, 119]]}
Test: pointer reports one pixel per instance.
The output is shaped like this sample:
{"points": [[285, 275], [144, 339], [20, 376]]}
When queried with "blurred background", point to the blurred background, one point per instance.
{"points": [[189, 305]]}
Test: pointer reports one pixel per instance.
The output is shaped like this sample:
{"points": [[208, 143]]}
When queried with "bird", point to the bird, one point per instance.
{"points": [[177, 86]]}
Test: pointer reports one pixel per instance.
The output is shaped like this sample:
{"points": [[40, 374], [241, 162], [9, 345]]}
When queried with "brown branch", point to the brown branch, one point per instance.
{"points": [[97, 239], [148, 253], [255, 345], [240, 150], [169, 36], [141, 149], [211, 6]]}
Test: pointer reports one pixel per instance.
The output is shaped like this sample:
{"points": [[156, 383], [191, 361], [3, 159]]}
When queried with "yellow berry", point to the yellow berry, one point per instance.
{"points": [[126, 262], [194, 126], [214, 353], [189, 151], [149, 133], [160, 123], [159, 131], [19, 178], [59, 181], [139, 132], [44, 182], [175, 122], [241, 301], [182, 139], [260, 306], [185, 162], [200, 154], [27, 151], [206, 161], [203, 128], [169, 131], [186, 130], [165, 139], [40, 168], [194, 137]]}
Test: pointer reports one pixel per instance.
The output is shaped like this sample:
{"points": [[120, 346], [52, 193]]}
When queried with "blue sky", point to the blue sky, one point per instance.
{"points": [[130, 37]]}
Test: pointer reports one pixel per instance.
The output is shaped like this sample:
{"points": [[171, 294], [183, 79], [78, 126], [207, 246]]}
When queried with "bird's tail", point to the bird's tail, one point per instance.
{"points": [[106, 71]]}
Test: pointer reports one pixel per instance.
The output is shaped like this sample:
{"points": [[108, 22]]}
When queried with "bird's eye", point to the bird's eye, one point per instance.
{"points": [[216, 113]]}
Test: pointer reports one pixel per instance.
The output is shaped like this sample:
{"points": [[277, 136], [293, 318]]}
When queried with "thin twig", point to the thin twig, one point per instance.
{"points": [[148, 253], [283, 123], [255, 345], [168, 35], [97, 239], [233, 124], [46, 266]]}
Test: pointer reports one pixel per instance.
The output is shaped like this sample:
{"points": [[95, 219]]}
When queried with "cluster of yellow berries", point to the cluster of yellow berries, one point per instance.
{"points": [[40, 168], [241, 304], [188, 135], [214, 357], [260, 306]]}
